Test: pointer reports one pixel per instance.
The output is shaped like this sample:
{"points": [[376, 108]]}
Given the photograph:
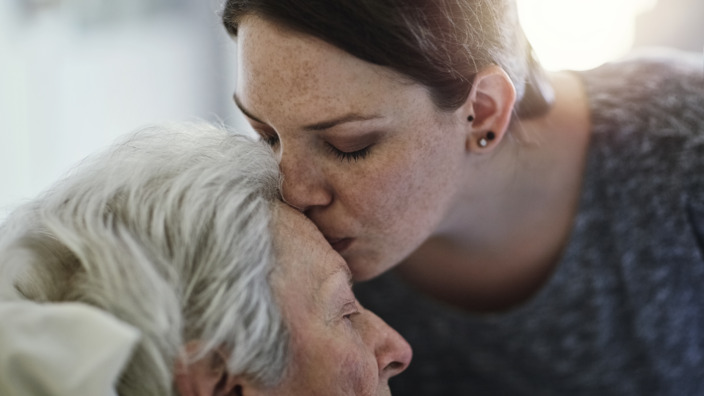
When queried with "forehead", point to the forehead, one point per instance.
{"points": [[280, 51], [301, 250], [282, 68]]}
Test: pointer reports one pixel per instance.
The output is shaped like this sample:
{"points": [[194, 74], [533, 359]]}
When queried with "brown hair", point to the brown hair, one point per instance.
{"points": [[441, 44]]}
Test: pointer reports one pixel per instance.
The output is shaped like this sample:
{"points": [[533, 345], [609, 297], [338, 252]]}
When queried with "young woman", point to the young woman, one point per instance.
{"points": [[169, 266], [545, 230]]}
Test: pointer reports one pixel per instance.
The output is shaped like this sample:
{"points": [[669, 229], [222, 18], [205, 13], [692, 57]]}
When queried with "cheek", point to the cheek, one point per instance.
{"points": [[382, 192], [355, 369], [360, 374], [404, 187], [335, 366]]}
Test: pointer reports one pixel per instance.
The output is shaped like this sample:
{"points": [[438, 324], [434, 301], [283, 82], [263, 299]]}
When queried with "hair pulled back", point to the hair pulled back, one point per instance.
{"points": [[440, 44]]}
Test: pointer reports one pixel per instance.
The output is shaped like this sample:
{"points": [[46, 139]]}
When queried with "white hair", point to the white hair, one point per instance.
{"points": [[170, 231]]}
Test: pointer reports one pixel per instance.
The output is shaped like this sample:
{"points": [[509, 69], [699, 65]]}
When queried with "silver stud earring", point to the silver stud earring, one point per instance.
{"points": [[483, 142]]}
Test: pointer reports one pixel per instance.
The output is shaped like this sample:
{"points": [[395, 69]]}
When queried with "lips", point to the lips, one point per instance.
{"points": [[339, 244]]}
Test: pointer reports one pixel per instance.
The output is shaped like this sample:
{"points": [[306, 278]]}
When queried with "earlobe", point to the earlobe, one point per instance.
{"points": [[488, 108], [204, 377], [484, 141]]}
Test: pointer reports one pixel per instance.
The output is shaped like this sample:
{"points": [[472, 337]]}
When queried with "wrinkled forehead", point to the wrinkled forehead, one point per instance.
{"points": [[300, 247]]}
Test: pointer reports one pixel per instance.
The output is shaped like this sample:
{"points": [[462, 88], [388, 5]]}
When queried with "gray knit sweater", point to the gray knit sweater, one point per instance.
{"points": [[623, 314]]}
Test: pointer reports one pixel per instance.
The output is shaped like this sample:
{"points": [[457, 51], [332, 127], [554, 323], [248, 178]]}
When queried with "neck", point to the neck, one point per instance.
{"points": [[508, 227]]}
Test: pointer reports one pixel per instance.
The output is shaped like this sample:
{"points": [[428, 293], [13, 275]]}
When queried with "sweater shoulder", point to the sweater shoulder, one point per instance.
{"points": [[652, 93]]}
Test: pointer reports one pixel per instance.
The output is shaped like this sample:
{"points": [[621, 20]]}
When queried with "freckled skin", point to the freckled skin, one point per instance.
{"points": [[389, 202], [330, 355], [459, 218]]}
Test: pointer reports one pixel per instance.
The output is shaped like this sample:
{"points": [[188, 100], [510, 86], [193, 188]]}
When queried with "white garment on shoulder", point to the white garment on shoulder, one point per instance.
{"points": [[61, 349]]}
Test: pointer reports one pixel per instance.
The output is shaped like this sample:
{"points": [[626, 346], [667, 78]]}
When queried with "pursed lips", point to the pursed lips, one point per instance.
{"points": [[339, 244]]}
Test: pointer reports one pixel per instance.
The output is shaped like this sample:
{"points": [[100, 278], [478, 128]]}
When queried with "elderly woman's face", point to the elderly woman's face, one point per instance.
{"points": [[337, 347]]}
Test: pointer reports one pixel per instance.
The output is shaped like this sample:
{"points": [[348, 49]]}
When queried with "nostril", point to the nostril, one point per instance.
{"points": [[392, 351], [395, 366], [399, 361]]}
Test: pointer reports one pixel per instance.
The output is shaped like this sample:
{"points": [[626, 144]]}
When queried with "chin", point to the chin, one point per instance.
{"points": [[365, 269]]}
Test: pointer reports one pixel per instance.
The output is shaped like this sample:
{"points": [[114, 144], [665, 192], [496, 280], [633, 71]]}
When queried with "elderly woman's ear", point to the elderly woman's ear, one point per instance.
{"points": [[207, 376]]}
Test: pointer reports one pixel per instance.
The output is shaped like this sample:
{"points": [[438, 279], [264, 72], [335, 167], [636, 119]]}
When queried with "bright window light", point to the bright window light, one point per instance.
{"points": [[580, 34]]}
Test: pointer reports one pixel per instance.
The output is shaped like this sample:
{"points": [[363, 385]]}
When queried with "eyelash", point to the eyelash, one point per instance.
{"points": [[349, 156], [355, 156], [348, 316]]}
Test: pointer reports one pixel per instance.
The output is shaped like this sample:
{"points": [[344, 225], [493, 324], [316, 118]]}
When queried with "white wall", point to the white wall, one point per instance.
{"points": [[75, 74]]}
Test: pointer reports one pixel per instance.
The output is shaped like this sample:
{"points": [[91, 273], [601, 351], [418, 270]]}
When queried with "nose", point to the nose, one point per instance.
{"points": [[304, 185], [393, 354]]}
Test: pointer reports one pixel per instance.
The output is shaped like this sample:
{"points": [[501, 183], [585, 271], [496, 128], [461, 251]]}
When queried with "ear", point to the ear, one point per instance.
{"points": [[488, 108], [205, 377]]}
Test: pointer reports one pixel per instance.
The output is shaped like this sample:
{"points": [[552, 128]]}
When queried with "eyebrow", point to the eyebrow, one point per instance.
{"points": [[341, 267], [323, 125], [318, 126]]}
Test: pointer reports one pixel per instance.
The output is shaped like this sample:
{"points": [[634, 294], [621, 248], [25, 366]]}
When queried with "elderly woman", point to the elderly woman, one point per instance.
{"points": [[174, 242]]}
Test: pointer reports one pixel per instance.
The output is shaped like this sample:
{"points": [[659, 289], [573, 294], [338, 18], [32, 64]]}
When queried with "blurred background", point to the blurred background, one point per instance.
{"points": [[75, 74]]}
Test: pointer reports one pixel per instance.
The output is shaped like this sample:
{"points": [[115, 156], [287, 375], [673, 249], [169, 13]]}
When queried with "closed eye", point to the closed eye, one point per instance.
{"points": [[351, 310], [349, 316], [349, 156]]}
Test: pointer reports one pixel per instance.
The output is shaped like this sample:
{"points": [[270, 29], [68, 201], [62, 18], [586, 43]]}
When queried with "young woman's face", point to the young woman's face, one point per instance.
{"points": [[337, 347], [364, 152]]}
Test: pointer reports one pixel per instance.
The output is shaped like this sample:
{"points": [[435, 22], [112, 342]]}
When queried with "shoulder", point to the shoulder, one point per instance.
{"points": [[655, 98], [657, 87], [646, 160], [647, 141], [650, 69]]}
